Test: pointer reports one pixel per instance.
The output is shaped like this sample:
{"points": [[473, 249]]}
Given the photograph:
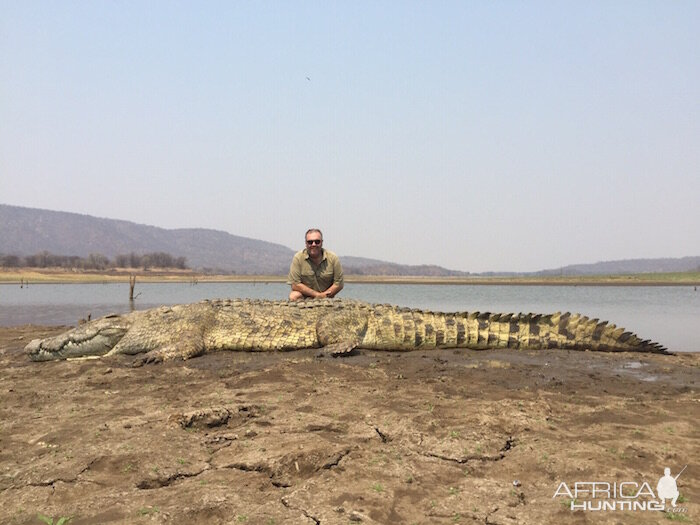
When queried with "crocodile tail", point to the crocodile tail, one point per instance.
{"points": [[393, 328], [559, 330]]}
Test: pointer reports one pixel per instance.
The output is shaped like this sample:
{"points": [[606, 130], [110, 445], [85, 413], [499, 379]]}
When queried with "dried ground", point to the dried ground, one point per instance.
{"points": [[443, 436]]}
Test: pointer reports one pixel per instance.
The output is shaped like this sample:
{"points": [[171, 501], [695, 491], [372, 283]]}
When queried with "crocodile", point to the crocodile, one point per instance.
{"points": [[336, 325]]}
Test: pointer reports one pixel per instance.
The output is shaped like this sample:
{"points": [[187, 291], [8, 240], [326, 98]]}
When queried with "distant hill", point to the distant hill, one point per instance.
{"points": [[628, 266], [27, 231], [363, 266]]}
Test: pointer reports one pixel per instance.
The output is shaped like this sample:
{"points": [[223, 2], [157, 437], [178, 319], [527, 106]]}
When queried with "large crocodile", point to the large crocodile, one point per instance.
{"points": [[339, 326]]}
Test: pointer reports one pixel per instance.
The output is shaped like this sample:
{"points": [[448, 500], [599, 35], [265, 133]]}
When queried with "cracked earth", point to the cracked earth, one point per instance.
{"points": [[441, 436]]}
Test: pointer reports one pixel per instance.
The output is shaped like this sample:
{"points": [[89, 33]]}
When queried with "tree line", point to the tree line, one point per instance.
{"points": [[94, 261]]}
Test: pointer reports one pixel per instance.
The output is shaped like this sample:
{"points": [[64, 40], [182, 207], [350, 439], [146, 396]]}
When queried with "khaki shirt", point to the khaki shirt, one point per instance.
{"points": [[318, 278]]}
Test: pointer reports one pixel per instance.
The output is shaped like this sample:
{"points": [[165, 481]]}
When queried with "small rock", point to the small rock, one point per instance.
{"points": [[108, 371], [354, 516], [208, 418], [516, 483], [250, 433]]}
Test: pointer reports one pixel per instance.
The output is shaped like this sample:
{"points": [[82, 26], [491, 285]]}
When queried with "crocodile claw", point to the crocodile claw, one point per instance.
{"points": [[342, 349]]}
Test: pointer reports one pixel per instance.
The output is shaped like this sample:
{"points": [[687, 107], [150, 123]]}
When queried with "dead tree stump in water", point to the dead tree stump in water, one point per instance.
{"points": [[132, 283]]}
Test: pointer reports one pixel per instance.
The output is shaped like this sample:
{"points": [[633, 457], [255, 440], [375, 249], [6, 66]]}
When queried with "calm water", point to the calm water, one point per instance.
{"points": [[669, 315]]}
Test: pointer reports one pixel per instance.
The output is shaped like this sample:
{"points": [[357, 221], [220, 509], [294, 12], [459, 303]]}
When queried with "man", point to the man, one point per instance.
{"points": [[315, 272]]}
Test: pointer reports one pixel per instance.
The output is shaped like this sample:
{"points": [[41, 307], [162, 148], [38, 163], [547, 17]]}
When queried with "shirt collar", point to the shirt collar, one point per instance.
{"points": [[323, 254]]}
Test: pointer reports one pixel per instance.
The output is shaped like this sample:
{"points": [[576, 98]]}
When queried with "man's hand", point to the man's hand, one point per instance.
{"points": [[333, 290]]}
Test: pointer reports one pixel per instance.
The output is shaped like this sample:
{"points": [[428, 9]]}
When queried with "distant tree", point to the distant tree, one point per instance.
{"points": [[122, 261], [72, 261], [162, 260], [134, 260], [42, 259], [10, 261], [97, 261]]}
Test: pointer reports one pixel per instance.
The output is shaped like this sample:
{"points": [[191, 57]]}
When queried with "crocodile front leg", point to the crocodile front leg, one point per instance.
{"points": [[340, 332]]}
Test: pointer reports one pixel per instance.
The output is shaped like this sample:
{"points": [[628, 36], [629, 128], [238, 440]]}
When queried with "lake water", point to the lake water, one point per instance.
{"points": [[667, 314]]}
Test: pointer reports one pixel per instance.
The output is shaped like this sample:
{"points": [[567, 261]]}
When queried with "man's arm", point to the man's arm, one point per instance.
{"points": [[308, 292], [338, 280], [294, 278]]}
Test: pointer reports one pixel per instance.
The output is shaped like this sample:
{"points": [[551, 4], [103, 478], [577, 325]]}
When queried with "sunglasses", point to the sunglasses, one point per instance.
{"points": [[314, 241]]}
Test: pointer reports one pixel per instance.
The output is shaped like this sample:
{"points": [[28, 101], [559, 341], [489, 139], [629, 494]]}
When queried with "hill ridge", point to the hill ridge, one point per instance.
{"points": [[27, 231]]}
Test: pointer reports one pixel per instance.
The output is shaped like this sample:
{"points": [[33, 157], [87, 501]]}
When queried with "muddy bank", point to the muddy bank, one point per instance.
{"points": [[441, 436]]}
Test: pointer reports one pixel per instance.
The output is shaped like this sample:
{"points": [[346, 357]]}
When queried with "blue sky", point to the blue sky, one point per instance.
{"points": [[475, 135]]}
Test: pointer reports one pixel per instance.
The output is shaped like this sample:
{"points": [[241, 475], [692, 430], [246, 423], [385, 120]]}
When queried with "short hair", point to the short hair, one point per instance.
{"points": [[311, 230]]}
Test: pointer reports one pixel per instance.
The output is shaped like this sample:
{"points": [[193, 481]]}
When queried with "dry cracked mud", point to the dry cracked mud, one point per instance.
{"points": [[440, 436]]}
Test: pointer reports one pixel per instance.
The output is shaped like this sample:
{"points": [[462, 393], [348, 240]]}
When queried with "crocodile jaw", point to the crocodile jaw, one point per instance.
{"points": [[92, 339]]}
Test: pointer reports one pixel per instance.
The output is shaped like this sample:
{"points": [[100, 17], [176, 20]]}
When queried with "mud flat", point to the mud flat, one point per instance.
{"points": [[425, 437]]}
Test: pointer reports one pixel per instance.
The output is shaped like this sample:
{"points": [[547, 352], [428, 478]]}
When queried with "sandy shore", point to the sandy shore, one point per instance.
{"points": [[35, 275], [443, 436]]}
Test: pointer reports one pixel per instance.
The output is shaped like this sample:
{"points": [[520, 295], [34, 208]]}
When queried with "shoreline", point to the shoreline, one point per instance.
{"points": [[27, 276]]}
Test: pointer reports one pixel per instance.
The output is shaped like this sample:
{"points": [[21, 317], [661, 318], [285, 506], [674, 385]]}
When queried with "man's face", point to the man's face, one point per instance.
{"points": [[314, 243]]}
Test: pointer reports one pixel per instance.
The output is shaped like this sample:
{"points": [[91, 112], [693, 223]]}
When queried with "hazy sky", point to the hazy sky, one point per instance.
{"points": [[478, 136]]}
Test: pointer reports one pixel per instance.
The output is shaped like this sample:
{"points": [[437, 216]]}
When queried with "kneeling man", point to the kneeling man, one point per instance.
{"points": [[315, 272]]}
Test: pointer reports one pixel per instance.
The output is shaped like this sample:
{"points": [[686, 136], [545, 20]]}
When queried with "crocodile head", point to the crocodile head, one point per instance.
{"points": [[91, 339]]}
